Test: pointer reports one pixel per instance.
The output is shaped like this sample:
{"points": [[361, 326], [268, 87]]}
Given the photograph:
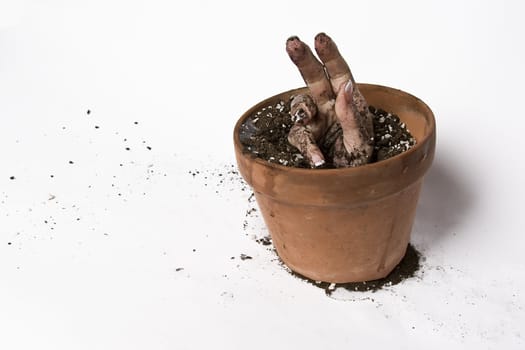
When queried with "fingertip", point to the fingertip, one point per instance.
{"points": [[325, 47], [317, 160], [322, 37], [346, 89], [344, 102], [295, 48], [319, 163], [293, 43]]}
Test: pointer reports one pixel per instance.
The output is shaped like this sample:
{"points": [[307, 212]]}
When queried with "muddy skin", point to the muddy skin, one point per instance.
{"points": [[332, 126], [303, 112], [341, 132]]}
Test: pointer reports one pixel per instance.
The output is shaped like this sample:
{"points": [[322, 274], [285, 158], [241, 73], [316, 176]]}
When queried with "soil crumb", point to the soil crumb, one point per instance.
{"points": [[266, 240], [407, 268], [265, 135]]}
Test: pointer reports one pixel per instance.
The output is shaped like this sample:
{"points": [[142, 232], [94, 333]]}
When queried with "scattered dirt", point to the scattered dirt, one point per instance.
{"points": [[121, 190], [221, 180], [265, 135], [266, 240], [407, 268]]}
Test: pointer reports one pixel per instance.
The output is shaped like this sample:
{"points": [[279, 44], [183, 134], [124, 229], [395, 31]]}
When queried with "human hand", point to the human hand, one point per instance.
{"points": [[332, 123]]}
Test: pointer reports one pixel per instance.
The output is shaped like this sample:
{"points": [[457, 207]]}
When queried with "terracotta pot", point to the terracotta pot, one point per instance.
{"points": [[351, 224]]}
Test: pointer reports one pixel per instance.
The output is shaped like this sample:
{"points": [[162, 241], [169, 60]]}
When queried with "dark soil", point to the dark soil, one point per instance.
{"points": [[266, 240], [407, 268], [390, 134], [265, 135]]}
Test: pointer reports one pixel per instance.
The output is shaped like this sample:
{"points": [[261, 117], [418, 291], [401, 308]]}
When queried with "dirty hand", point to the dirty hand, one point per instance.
{"points": [[332, 122]]}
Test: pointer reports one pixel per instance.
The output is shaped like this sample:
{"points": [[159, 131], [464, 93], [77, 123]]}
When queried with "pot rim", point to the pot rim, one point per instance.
{"points": [[350, 170]]}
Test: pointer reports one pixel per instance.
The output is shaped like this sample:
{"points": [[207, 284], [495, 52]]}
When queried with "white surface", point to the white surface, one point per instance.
{"points": [[185, 73]]}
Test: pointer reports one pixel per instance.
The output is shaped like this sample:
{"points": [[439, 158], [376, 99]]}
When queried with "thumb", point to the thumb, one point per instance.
{"points": [[356, 125], [345, 109]]}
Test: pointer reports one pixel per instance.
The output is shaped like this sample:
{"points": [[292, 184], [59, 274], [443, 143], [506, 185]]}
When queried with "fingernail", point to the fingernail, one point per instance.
{"points": [[348, 87], [319, 163], [317, 160]]}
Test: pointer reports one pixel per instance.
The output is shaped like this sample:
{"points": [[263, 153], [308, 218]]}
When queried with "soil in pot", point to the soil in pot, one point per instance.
{"points": [[264, 135]]}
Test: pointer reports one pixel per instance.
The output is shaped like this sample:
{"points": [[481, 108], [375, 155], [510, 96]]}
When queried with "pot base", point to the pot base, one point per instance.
{"points": [[341, 245], [407, 268]]}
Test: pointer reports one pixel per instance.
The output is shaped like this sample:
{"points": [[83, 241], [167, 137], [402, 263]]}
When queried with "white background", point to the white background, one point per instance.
{"points": [[102, 272]]}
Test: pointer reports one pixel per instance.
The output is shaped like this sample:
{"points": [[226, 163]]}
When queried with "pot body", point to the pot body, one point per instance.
{"points": [[349, 224]]}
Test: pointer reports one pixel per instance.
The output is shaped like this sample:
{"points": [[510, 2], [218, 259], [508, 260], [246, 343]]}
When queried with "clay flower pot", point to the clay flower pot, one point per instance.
{"points": [[349, 224]]}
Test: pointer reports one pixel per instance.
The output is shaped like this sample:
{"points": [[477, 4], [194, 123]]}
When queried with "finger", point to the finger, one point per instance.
{"points": [[301, 138], [336, 67], [311, 70], [357, 126], [345, 109]]}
